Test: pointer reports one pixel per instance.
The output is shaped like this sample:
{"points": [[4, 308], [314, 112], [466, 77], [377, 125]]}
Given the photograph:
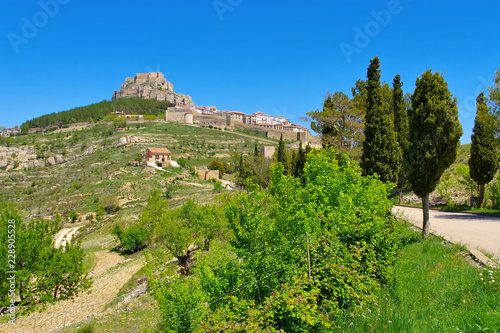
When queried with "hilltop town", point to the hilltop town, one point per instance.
{"points": [[155, 86]]}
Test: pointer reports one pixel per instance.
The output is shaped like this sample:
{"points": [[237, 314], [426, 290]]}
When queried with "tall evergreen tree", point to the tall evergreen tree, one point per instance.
{"points": [[256, 151], [293, 163], [401, 129], [301, 161], [380, 148], [483, 161], [434, 137], [282, 153]]}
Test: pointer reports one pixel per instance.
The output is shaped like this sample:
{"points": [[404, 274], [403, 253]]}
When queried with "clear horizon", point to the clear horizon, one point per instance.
{"points": [[280, 58]]}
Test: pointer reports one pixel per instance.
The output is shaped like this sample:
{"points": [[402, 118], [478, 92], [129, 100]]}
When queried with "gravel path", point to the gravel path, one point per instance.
{"points": [[477, 232], [64, 235], [110, 274]]}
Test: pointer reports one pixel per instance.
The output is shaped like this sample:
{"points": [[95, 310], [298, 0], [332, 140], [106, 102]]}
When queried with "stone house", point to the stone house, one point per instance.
{"points": [[267, 151], [205, 174], [160, 156]]}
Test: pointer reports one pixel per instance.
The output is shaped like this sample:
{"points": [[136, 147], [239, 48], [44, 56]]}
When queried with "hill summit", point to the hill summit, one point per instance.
{"points": [[152, 86]]}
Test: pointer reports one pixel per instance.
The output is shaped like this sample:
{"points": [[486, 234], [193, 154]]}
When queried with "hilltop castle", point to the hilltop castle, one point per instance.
{"points": [[152, 86]]}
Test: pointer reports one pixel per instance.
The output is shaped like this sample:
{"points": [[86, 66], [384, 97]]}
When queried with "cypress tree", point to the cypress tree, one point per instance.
{"points": [[308, 148], [401, 129], [293, 163], [256, 151], [301, 161], [483, 161], [380, 148], [282, 153], [434, 137]]}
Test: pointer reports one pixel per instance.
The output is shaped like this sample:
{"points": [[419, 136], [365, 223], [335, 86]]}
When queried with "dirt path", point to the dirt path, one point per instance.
{"points": [[64, 235], [477, 232], [110, 274]]}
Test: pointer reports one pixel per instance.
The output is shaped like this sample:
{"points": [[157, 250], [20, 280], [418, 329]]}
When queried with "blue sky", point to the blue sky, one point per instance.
{"points": [[279, 57]]}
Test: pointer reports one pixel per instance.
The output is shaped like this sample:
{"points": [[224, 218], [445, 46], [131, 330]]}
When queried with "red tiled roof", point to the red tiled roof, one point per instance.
{"points": [[159, 150]]}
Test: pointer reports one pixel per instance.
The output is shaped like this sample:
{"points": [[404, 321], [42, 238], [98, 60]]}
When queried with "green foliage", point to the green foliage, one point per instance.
{"points": [[465, 179], [169, 190], [434, 132], [134, 238], [217, 187], [281, 156], [353, 246], [222, 166], [350, 211], [340, 123], [253, 170], [401, 129], [381, 150], [483, 161], [182, 162], [495, 96], [97, 111], [44, 274], [73, 216], [453, 296], [109, 204], [188, 229], [301, 162]]}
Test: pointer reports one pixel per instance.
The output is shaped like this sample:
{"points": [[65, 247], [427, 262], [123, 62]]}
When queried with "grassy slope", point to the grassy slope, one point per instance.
{"points": [[78, 185], [436, 290]]}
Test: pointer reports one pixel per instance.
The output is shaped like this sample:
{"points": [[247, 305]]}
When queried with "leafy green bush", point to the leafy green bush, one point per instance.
{"points": [[73, 216], [182, 162], [353, 246], [217, 187], [134, 238], [44, 273]]}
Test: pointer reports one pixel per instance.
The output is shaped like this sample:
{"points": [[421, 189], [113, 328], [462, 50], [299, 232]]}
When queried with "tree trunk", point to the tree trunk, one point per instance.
{"points": [[426, 224], [480, 198]]}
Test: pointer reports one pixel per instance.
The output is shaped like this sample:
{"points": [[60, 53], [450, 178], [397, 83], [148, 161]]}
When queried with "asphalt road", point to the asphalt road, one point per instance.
{"points": [[476, 232]]}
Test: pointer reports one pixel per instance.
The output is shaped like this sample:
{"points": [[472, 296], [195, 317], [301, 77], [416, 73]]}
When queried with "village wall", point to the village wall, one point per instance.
{"points": [[219, 121], [206, 174]]}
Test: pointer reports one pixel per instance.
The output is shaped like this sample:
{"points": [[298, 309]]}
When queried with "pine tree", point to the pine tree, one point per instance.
{"points": [[282, 153], [434, 137], [483, 161], [340, 123], [380, 148], [401, 129]]}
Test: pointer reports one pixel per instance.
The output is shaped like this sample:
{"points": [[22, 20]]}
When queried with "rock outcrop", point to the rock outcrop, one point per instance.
{"points": [[152, 86], [126, 139], [12, 157]]}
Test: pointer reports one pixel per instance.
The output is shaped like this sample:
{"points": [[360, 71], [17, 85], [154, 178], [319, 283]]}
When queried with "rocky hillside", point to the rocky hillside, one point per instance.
{"points": [[152, 86]]}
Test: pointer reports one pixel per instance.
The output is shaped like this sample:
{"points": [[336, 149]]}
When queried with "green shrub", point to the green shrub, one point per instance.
{"points": [[134, 238], [217, 187], [109, 204], [182, 162], [73, 216]]}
